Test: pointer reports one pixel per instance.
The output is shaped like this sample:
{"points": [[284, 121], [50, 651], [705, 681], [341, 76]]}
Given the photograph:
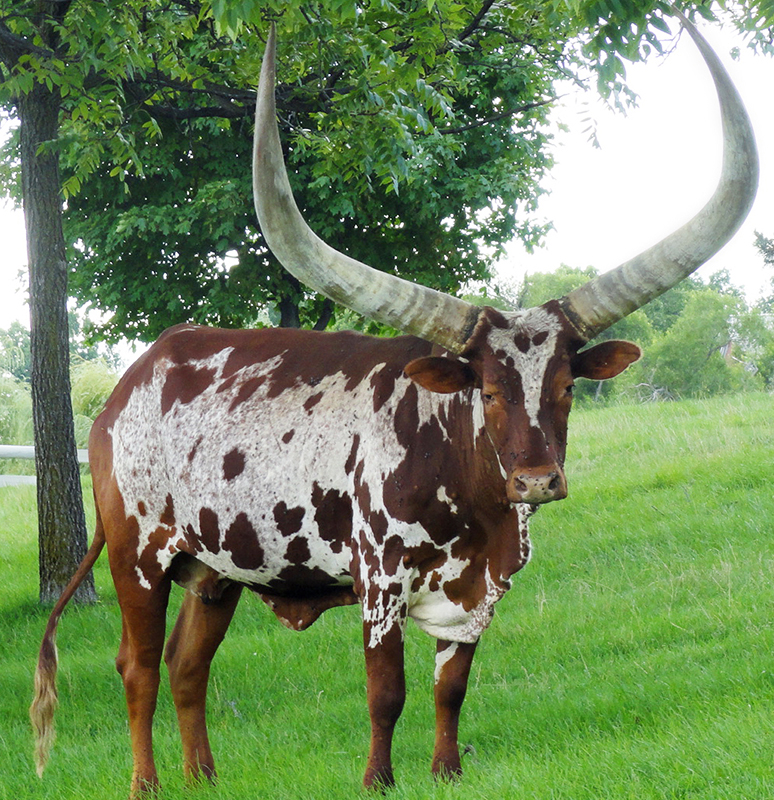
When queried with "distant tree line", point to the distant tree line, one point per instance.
{"points": [[699, 339]]}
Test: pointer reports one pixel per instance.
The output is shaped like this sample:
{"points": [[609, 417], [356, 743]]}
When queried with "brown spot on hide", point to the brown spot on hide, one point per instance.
{"points": [[426, 558], [383, 385], [141, 507], [168, 514], [289, 520], [378, 598], [539, 338], [366, 554], [522, 342], [184, 384], [470, 588], [241, 541], [421, 554], [192, 539], [148, 562], [352, 457], [233, 464], [242, 357], [298, 551], [333, 515], [288, 436], [209, 530], [192, 454], [411, 491], [312, 402], [247, 390], [377, 520], [407, 417], [297, 575], [227, 384], [393, 554]]}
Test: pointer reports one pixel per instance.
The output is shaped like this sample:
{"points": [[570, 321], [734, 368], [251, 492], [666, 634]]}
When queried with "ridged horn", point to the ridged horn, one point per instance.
{"points": [[419, 310], [611, 296]]}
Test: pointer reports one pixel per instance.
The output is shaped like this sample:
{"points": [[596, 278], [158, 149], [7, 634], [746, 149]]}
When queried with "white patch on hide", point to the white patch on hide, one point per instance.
{"points": [[443, 658], [532, 364]]}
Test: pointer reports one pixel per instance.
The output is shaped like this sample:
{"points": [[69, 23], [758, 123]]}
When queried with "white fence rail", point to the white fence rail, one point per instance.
{"points": [[24, 451]]}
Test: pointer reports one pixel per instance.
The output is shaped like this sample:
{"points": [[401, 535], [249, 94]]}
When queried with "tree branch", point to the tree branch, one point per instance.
{"points": [[225, 106], [476, 22], [502, 115], [13, 47]]}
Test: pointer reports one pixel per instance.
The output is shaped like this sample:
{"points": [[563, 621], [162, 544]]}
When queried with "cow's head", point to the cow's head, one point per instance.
{"points": [[521, 363]]}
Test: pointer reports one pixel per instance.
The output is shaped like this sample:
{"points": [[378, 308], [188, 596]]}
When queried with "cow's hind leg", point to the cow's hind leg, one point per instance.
{"points": [[198, 632], [143, 613], [386, 688], [452, 668]]}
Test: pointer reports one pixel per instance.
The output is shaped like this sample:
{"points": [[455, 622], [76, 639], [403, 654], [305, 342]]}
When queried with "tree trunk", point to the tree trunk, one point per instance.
{"points": [[61, 521]]}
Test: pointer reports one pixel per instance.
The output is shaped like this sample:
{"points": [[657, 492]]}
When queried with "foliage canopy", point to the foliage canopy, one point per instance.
{"points": [[415, 134]]}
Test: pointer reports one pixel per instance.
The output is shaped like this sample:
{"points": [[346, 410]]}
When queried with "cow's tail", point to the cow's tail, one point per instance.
{"points": [[44, 702]]}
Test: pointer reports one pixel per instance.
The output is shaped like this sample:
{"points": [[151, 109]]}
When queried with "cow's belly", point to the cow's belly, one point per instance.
{"points": [[276, 546], [264, 548]]}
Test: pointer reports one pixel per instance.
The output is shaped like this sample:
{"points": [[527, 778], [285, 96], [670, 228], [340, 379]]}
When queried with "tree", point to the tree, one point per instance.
{"points": [[63, 60], [765, 247], [402, 149], [703, 352], [16, 358], [60, 506], [416, 141]]}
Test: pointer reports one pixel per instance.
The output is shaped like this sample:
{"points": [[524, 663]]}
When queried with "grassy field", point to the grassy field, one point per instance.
{"points": [[632, 659]]}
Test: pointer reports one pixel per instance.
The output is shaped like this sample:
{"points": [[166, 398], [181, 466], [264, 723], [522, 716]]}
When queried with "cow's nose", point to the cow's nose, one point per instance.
{"points": [[538, 485]]}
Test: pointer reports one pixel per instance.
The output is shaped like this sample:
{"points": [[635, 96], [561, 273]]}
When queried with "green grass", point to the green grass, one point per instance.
{"points": [[632, 658]]}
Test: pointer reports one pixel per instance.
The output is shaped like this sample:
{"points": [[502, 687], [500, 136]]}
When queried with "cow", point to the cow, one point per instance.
{"points": [[326, 469]]}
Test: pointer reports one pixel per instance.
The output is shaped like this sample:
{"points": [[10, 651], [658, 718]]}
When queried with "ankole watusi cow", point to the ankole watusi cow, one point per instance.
{"points": [[324, 469]]}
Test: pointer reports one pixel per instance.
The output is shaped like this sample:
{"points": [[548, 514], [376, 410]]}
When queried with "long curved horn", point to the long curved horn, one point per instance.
{"points": [[611, 296], [411, 308]]}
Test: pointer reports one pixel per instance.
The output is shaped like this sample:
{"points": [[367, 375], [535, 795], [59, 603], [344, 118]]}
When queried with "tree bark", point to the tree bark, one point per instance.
{"points": [[61, 520]]}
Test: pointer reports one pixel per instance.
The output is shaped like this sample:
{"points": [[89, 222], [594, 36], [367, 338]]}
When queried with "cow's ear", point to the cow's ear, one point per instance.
{"points": [[605, 360], [437, 374]]}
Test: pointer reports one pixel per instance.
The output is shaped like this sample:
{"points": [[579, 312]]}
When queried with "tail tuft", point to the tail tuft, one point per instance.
{"points": [[44, 703]]}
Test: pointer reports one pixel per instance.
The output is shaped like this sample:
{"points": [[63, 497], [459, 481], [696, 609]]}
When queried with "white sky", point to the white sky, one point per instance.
{"points": [[656, 167]]}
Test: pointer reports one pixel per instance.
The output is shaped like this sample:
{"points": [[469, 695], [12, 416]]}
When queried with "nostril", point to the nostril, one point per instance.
{"points": [[554, 481], [518, 483]]}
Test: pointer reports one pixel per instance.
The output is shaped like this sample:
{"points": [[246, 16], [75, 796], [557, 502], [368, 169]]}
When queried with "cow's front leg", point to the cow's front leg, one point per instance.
{"points": [[452, 668], [386, 687]]}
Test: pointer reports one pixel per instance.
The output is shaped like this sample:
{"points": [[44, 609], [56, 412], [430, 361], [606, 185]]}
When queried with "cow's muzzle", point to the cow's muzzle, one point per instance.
{"points": [[537, 485]]}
